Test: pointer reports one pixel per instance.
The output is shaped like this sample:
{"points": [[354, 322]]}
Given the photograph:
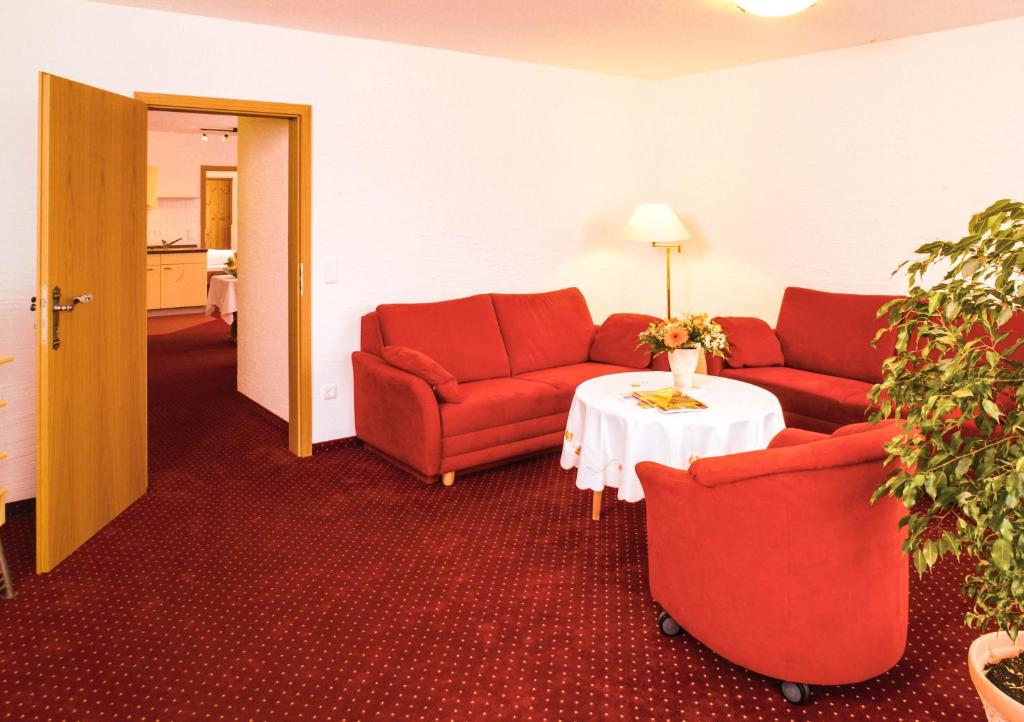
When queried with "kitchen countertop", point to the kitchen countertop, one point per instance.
{"points": [[176, 249]]}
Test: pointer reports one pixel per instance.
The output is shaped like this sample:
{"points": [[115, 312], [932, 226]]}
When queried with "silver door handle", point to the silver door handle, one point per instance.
{"points": [[84, 298], [57, 308]]}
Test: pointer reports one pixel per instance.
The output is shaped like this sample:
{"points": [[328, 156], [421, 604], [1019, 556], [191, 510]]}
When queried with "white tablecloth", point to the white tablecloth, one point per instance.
{"points": [[222, 295], [608, 433]]}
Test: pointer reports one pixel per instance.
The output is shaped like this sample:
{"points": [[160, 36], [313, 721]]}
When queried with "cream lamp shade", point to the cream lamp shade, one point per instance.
{"points": [[655, 223]]}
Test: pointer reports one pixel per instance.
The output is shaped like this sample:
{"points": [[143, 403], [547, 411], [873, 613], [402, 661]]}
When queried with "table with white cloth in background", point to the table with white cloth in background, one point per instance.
{"points": [[222, 297], [608, 432]]}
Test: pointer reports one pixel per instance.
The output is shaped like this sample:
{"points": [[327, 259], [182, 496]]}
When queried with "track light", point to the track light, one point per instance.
{"points": [[224, 132]]}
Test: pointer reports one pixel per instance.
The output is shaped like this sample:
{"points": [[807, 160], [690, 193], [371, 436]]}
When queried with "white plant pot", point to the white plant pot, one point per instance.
{"points": [[683, 362], [985, 650]]}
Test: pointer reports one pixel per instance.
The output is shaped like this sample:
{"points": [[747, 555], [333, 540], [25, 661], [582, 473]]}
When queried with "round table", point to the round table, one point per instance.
{"points": [[608, 432]]}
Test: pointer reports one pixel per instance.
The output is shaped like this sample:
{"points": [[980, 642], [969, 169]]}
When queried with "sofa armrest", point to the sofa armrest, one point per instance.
{"points": [[397, 413]]}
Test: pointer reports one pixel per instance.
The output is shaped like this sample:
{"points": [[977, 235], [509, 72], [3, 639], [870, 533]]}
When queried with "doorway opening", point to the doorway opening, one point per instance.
{"points": [[221, 222]]}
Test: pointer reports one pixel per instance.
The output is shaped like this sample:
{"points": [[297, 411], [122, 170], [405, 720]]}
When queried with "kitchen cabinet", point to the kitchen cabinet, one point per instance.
{"points": [[151, 197], [152, 281], [175, 280]]}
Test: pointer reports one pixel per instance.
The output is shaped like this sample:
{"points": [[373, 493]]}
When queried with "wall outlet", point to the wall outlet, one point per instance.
{"points": [[331, 391]]}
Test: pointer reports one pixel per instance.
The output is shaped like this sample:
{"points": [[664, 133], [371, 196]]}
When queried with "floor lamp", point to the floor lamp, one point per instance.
{"points": [[657, 224]]}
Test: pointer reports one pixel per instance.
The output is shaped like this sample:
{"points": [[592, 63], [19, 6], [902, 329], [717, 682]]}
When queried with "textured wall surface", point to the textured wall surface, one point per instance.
{"points": [[435, 174], [828, 170], [439, 174]]}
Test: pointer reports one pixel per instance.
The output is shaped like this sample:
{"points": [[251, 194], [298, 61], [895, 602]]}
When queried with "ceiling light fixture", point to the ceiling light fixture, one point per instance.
{"points": [[774, 8], [227, 132]]}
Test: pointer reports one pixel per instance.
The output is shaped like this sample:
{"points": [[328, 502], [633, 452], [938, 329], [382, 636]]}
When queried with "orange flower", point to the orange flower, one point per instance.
{"points": [[676, 337]]}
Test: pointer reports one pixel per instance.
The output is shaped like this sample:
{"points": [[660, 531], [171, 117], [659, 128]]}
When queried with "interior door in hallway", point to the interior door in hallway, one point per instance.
{"points": [[91, 418], [217, 210]]}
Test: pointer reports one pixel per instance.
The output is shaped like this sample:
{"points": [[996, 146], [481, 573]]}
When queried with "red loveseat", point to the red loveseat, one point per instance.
{"points": [[777, 560], [818, 360], [508, 364]]}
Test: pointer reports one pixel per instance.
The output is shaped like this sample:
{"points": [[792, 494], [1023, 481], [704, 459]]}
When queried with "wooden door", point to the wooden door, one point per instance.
{"points": [[92, 386], [218, 213]]}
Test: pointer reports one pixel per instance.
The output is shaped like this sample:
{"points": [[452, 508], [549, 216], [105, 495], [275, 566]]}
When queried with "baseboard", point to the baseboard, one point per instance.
{"points": [[342, 443], [183, 311]]}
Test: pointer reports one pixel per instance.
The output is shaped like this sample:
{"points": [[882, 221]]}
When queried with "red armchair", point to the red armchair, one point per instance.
{"points": [[777, 560]]}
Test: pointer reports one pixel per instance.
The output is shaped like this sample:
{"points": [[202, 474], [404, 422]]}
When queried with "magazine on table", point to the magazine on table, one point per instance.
{"points": [[667, 401]]}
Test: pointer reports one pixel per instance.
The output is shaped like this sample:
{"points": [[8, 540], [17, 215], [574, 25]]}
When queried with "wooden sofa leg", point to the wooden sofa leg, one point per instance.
{"points": [[448, 478], [595, 505]]}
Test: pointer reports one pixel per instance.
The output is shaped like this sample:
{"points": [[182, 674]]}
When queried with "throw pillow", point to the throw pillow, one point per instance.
{"points": [[419, 364], [752, 342], [615, 341]]}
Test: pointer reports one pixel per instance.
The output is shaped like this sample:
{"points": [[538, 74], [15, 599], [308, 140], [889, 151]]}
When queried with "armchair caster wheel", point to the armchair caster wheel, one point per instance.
{"points": [[795, 692], [668, 626]]}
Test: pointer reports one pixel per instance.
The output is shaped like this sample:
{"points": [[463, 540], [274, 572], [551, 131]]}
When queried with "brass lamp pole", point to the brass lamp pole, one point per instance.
{"points": [[657, 224], [678, 247]]}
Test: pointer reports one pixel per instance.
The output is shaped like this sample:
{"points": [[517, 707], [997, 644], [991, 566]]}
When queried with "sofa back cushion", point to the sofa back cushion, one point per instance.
{"points": [[461, 335], [544, 330], [752, 342], [615, 340], [831, 333], [369, 334]]}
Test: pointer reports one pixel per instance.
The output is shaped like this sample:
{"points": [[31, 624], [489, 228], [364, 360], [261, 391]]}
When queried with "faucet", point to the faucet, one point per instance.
{"points": [[167, 244]]}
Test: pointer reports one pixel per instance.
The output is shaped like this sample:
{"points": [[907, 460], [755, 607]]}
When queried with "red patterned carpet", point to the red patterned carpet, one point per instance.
{"points": [[248, 584]]}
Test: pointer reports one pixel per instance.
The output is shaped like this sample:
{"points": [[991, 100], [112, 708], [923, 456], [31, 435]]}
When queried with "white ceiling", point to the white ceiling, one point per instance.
{"points": [[169, 122], [641, 38]]}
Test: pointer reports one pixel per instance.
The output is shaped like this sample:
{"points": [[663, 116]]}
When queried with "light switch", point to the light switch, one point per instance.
{"points": [[330, 270]]}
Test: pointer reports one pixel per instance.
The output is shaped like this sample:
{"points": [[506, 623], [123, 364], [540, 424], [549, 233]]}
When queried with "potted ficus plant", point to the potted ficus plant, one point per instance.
{"points": [[956, 382]]}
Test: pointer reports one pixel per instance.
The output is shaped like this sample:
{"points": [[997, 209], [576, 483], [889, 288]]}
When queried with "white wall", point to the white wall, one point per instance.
{"points": [[827, 170], [439, 174], [263, 262], [435, 174]]}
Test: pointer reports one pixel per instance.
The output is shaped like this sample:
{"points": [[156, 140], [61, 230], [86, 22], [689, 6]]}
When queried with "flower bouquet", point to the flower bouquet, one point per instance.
{"points": [[683, 339]]}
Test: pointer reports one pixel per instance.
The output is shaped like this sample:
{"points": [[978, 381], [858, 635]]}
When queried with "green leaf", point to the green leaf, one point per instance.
{"points": [[991, 409], [1002, 554]]}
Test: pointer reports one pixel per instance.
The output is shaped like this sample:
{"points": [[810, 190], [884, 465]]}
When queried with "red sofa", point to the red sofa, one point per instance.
{"points": [[818, 360], [777, 560], [509, 362]]}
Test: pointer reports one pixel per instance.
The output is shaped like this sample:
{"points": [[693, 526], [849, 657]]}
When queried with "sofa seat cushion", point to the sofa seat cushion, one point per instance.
{"points": [[615, 340], [565, 379], [544, 330], [820, 396], [495, 436], [461, 335], [831, 333], [497, 402], [752, 342]]}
